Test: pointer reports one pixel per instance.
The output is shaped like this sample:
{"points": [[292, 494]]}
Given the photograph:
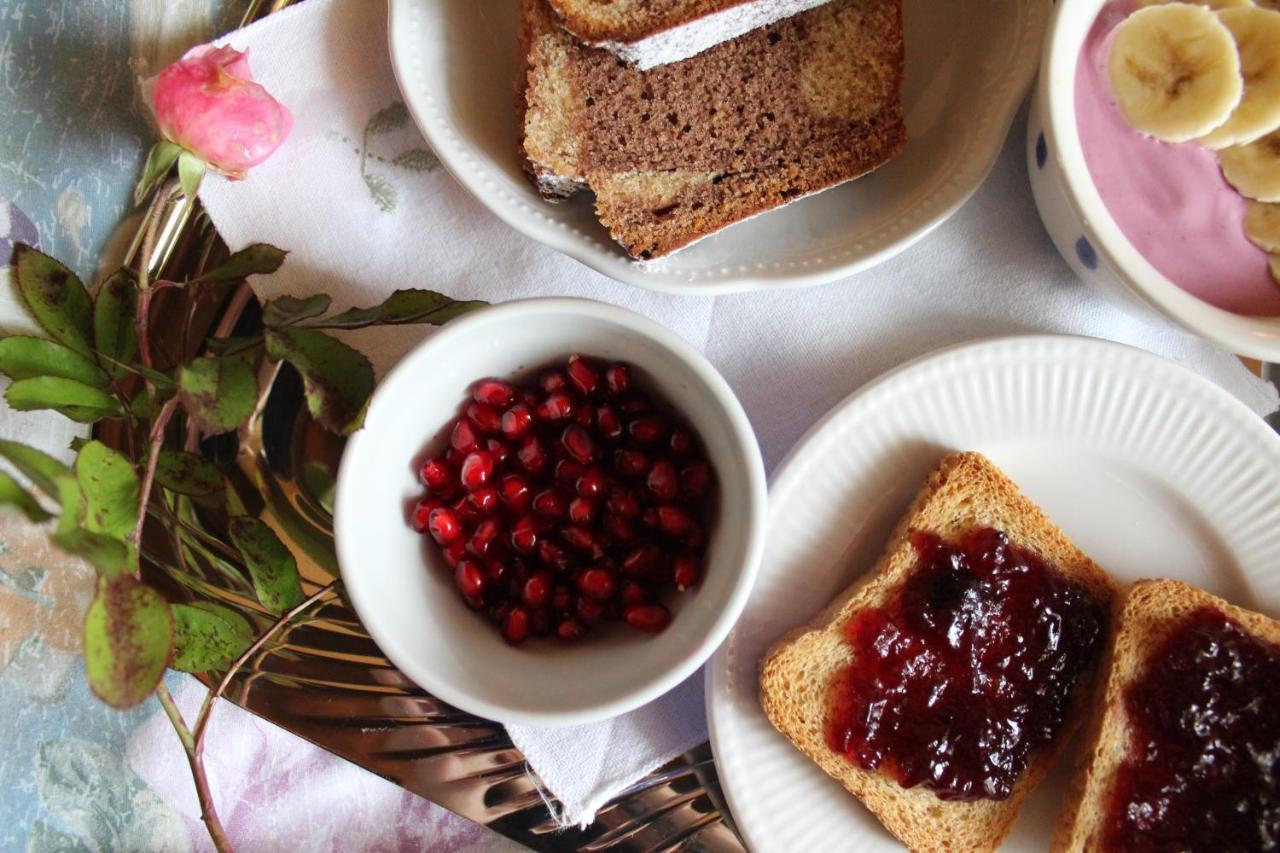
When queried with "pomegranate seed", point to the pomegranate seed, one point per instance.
{"points": [[648, 430], [464, 438], [662, 480], [486, 534], [537, 589], [695, 479], [619, 528], [608, 423], [541, 622], [515, 628], [582, 510], [443, 525], [499, 450], [552, 380], [585, 416], [524, 534], [580, 539], [579, 443], [437, 475], [562, 599], [622, 501], [532, 456], [641, 560], [484, 499], [583, 376], [631, 463], [591, 484], [589, 610], [633, 593], [636, 404], [475, 602], [570, 629], [466, 510], [517, 573], [549, 503], [557, 407], [454, 551], [421, 512], [650, 618], [454, 457], [674, 521], [597, 583], [516, 493], [516, 421], [617, 378], [493, 392], [554, 556], [568, 471], [681, 442], [476, 469], [498, 612], [687, 571], [484, 417], [649, 518], [470, 578], [497, 572]]}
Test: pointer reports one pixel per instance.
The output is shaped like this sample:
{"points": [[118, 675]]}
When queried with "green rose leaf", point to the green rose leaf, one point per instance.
{"points": [[160, 160], [110, 488], [208, 636], [187, 474], [401, 307], [12, 494], [219, 393], [37, 466], [75, 400], [289, 309], [338, 379], [255, 259], [55, 298], [272, 567], [109, 556], [128, 634], [22, 357], [115, 331], [190, 173]]}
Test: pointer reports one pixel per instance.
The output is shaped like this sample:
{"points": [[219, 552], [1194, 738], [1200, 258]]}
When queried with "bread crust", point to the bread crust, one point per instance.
{"points": [[965, 492], [1143, 617], [589, 25]]}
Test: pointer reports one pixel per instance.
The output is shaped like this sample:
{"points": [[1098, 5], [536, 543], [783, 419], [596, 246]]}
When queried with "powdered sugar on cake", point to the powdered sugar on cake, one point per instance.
{"points": [[686, 40]]}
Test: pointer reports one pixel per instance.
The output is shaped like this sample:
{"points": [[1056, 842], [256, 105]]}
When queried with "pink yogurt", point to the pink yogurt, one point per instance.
{"points": [[1170, 201]]}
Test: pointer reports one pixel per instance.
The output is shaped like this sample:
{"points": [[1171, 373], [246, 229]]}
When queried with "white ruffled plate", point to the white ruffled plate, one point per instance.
{"points": [[1151, 469], [969, 64]]}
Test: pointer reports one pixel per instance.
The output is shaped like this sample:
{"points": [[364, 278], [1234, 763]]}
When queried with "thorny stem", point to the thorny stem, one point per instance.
{"points": [[191, 746]]}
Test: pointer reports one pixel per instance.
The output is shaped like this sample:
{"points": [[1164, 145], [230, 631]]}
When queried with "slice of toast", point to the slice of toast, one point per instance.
{"points": [[966, 492], [1144, 616], [649, 33], [680, 152]]}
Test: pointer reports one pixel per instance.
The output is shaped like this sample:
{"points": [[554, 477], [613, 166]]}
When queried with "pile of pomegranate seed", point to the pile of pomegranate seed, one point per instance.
{"points": [[573, 501]]}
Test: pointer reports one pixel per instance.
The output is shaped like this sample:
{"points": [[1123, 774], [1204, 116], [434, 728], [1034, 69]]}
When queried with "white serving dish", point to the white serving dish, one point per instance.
{"points": [[1078, 221], [404, 593], [969, 64], [1151, 469]]}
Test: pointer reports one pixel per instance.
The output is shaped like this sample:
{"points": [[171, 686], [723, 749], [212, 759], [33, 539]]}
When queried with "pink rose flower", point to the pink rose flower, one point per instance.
{"points": [[208, 103]]}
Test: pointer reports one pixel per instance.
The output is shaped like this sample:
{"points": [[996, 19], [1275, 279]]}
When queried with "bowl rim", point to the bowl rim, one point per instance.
{"points": [[1253, 336], [755, 499]]}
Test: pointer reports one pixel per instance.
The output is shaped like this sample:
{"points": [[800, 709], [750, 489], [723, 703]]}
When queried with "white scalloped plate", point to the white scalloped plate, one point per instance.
{"points": [[1151, 469], [969, 64]]}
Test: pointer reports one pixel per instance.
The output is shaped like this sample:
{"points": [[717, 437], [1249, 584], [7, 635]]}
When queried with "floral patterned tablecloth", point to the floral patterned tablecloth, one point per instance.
{"points": [[76, 774]]}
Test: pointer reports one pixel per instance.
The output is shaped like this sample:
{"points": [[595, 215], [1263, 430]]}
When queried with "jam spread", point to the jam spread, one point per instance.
{"points": [[1203, 771], [972, 666]]}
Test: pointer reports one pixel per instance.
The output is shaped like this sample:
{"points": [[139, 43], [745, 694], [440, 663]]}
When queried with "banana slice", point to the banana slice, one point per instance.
{"points": [[1212, 4], [1262, 225], [1254, 169], [1175, 71], [1257, 33]]}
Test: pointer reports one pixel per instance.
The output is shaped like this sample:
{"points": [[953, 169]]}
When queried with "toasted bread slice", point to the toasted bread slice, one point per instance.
{"points": [[649, 33], [680, 152], [966, 492], [1144, 616]]}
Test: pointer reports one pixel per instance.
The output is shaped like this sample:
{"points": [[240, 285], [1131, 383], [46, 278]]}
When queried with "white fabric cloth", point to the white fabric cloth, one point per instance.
{"points": [[789, 355]]}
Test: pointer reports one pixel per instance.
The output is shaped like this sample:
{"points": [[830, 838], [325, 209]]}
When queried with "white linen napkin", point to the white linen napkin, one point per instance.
{"points": [[789, 355]]}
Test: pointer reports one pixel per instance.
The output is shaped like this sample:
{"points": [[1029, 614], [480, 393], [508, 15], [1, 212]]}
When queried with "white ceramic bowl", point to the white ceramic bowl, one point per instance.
{"points": [[969, 64], [1078, 220], [405, 595]]}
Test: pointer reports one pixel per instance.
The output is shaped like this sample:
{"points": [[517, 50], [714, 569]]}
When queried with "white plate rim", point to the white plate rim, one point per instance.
{"points": [[976, 164], [718, 670]]}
